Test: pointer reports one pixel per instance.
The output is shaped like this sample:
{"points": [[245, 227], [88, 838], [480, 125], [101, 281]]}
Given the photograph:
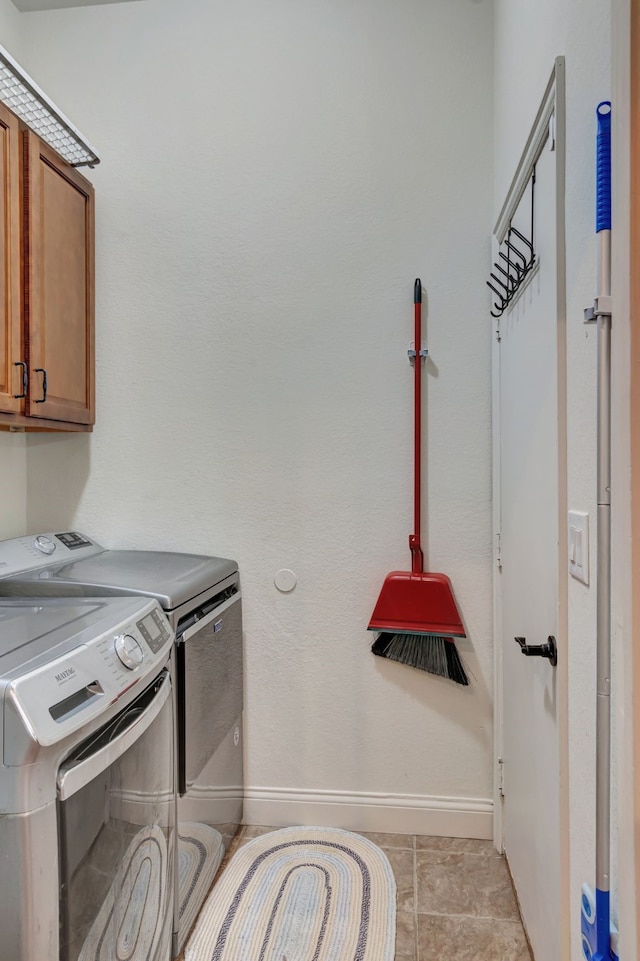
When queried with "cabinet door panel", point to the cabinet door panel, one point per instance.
{"points": [[11, 344], [59, 300]]}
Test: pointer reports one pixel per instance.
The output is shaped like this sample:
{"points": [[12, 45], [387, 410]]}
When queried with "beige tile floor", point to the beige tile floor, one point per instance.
{"points": [[455, 900]]}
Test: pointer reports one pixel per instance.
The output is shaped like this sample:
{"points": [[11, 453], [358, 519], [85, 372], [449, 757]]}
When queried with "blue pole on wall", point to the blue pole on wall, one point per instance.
{"points": [[596, 910]]}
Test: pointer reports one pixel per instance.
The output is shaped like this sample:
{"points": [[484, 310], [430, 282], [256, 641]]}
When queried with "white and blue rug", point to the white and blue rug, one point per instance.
{"points": [[300, 894], [200, 851]]}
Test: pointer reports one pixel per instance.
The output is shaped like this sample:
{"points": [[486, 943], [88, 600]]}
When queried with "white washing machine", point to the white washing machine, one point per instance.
{"points": [[201, 598], [87, 807]]}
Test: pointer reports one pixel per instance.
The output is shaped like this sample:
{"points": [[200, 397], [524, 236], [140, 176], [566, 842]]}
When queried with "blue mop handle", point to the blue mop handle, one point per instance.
{"points": [[603, 601], [603, 167]]}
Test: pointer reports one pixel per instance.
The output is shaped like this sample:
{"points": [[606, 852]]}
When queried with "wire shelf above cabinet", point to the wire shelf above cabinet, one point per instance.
{"points": [[25, 98]]}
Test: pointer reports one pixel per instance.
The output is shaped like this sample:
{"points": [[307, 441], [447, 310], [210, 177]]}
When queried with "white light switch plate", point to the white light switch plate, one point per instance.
{"points": [[579, 546]]}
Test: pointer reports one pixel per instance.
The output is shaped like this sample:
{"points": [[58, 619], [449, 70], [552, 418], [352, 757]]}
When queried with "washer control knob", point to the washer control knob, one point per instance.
{"points": [[129, 651], [44, 544]]}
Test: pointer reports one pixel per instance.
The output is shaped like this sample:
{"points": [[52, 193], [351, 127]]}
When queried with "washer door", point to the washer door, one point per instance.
{"points": [[115, 823]]}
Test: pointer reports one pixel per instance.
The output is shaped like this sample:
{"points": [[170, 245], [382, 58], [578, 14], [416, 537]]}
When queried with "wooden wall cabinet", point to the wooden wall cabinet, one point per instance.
{"points": [[47, 292]]}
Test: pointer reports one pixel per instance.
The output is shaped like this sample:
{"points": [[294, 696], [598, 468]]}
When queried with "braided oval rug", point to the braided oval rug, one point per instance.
{"points": [[300, 894], [200, 851]]}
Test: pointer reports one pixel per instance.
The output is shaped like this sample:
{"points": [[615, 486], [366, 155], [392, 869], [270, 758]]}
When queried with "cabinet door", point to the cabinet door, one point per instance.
{"points": [[11, 343], [59, 282]]}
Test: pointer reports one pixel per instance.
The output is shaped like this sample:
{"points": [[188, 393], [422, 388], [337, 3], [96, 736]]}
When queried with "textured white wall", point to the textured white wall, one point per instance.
{"points": [[13, 451], [13, 485], [528, 38], [274, 177]]}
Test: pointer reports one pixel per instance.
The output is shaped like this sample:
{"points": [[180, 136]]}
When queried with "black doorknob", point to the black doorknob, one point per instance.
{"points": [[548, 650]]}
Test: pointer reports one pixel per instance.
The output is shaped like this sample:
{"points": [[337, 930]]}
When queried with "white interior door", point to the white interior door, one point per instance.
{"points": [[529, 578]]}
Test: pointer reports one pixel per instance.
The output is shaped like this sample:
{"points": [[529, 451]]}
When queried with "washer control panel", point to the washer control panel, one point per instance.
{"points": [[21, 554], [152, 627], [44, 544], [73, 541], [57, 698], [129, 651]]}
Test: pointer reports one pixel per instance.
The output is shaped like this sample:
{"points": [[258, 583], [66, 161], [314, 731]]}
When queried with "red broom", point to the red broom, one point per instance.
{"points": [[416, 612]]}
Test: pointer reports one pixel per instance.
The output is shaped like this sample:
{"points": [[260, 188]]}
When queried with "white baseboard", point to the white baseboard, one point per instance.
{"points": [[389, 813]]}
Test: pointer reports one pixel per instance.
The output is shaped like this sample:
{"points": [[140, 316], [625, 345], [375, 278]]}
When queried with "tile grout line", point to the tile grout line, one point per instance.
{"points": [[453, 854], [471, 917]]}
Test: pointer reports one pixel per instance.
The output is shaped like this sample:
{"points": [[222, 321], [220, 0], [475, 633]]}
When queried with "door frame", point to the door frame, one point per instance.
{"points": [[550, 121], [634, 317], [625, 460]]}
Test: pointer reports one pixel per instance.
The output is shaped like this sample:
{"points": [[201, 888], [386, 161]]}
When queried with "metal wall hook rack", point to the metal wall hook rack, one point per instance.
{"points": [[516, 258]]}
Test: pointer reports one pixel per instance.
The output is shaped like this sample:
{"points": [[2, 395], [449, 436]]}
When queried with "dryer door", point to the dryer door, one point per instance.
{"points": [[210, 696], [209, 672]]}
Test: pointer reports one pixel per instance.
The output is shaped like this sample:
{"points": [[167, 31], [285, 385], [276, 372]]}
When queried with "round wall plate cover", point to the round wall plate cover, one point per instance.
{"points": [[285, 580]]}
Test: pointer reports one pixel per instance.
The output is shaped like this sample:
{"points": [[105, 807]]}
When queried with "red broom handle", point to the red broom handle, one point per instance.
{"points": [[417, 557]]}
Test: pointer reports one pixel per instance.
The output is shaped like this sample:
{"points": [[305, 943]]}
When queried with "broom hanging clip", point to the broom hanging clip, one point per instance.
{"points": [[411, 353]]}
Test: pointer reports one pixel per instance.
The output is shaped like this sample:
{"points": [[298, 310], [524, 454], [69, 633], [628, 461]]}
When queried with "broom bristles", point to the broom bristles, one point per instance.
{"points": [[432, 653]]}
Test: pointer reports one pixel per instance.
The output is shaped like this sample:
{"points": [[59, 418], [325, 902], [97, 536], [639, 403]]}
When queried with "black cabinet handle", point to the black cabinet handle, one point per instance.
{"points": [[25, 378], [42, 370], [548, 650]]}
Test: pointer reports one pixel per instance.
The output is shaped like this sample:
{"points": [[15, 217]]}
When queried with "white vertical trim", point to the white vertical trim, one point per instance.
{"points": [[563, 508], [498, 739]]}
